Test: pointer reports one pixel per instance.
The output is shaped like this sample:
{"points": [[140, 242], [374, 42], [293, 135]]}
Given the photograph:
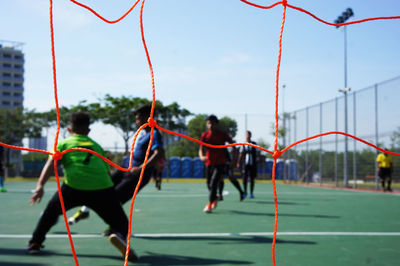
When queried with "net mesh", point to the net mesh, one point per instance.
{"points": [[276, 153]]}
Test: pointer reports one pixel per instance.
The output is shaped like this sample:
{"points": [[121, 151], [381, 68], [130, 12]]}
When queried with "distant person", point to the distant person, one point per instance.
{"points": [[229, 174], [2, 177], [158, 172], [385, 169], [215, 158], [247, 161], [125, 182], [87, 182]]}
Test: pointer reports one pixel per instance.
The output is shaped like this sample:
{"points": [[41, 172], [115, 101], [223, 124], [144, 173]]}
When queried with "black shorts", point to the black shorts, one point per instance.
{"points": [[385, 172]]}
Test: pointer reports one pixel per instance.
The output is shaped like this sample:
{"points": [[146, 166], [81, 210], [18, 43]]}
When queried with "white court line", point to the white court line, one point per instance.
{"points": [[188, 235]]}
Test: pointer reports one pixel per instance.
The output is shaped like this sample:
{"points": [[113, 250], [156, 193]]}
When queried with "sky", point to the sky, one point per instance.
{"points": [[210, 56]]}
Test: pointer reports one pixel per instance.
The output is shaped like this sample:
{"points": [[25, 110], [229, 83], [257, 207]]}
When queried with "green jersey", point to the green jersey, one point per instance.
{"points": [[82, 169]]}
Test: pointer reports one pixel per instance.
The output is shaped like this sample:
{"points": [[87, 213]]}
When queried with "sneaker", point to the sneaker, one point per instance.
{"points": [[3, 189], [214, 205], [242, 196], [79, 215], [207, 208], [389, 189], [120, 244], [33, 248], [251, 196]]}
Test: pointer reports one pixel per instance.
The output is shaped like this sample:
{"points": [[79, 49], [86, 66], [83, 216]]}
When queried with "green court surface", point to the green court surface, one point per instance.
{"points": [[317, 226]]}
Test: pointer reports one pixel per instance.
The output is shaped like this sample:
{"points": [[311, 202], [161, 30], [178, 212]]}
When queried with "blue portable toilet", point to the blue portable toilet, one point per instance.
{"points": [[292, 168], [268, 166], [187, 167], [175, 167], [165, 170], [198, 168], [280, 167]]}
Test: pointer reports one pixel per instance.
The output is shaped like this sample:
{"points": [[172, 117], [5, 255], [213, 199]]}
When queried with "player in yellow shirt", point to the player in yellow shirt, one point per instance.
{"points": [[385, 169]]}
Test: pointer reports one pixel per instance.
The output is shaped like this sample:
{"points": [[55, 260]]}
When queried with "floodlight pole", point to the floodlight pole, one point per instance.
{"points": [[342, 19]]}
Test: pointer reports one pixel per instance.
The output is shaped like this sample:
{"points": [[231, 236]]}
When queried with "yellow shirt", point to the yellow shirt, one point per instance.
{"points": [[384, 161]]}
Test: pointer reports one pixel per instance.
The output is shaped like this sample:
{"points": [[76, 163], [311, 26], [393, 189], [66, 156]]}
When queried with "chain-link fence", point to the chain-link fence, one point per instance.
{"points": [[335, 159]]}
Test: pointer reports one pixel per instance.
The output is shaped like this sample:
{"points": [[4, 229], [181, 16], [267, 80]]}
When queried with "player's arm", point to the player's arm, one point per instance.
{"points": [[158, 153], [239, 159], [203, 157], [44, 176]]}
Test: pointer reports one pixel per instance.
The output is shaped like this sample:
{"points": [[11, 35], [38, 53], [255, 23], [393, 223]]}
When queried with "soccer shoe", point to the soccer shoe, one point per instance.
{"points": [[214, 204], [79, 215], [120, 244], [3, 189], [242, 196], [207, 208], [251, 196], [108, 232], [33, 248]]}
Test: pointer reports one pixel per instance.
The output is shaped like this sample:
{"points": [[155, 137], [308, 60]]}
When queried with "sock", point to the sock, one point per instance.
{"points": [[389, 183]]}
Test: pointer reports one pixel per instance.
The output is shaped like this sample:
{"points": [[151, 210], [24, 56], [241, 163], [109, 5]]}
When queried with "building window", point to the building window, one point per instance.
{"points": [[17, 85], [18, 66], [7, 84], [18, 57], [17, 104], [6, 75], [6, 103], [6, 93], [6, 65], [17, 76], [7, 55], [17, 94]]}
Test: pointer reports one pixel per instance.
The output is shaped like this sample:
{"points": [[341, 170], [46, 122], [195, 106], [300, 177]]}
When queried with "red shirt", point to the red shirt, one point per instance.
{"points": [[215, 156]]}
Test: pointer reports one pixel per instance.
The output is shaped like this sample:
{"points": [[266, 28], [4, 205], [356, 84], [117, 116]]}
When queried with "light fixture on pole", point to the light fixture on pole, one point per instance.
{"points": [[342, 19]]}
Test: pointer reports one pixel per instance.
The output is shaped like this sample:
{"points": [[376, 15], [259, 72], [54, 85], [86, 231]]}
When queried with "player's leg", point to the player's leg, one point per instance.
{"points": [[105, 203], [236, 184], [126, 187], [245, 179], [50, 215], [253, 174], [2, 187], [221, 186]]}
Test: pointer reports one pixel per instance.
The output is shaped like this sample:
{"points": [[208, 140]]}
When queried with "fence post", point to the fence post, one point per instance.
{"points": [[320, 144], [354, 142], [306, 168], [376, 135], [336, 141]]}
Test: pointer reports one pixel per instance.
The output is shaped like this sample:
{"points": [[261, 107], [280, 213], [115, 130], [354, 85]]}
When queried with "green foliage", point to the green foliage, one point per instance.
{"points": [[34, 156], [196, 126]]}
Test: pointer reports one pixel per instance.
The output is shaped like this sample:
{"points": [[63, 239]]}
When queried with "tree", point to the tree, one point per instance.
{"points": [[18, 123], [118, 112], [196, 126]]}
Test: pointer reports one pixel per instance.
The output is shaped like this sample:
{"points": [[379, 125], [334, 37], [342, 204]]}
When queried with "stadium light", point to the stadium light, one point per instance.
{"points": [[348, 13]]}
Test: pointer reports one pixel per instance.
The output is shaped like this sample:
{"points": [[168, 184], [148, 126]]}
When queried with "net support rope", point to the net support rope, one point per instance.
{"points": [[276, 153]]}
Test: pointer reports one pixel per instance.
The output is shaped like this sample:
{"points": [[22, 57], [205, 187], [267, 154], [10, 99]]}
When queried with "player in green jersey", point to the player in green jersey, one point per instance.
{"points": [[87, 182]]}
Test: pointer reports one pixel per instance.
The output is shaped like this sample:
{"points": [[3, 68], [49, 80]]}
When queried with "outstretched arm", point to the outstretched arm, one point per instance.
{"points": [[44, 176]]}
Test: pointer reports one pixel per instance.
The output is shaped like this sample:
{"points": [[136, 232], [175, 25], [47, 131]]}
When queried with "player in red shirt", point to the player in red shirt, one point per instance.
{"points": [[215, 158]]}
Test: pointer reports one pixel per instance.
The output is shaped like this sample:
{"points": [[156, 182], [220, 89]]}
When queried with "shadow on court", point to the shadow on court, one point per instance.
{"points": [[279, 202], [283, 214], [233, 240], [164, 259], [47, 253]]}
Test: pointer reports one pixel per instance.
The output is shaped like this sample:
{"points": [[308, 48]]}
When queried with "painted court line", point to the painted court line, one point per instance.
{"points": [[180, 235]]}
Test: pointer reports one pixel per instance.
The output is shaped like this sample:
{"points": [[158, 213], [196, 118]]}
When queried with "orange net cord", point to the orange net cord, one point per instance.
{"points": [[57, 155]]}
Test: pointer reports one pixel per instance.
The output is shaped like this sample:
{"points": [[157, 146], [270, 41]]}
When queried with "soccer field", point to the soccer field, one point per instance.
{"points": [[316, 226]]}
